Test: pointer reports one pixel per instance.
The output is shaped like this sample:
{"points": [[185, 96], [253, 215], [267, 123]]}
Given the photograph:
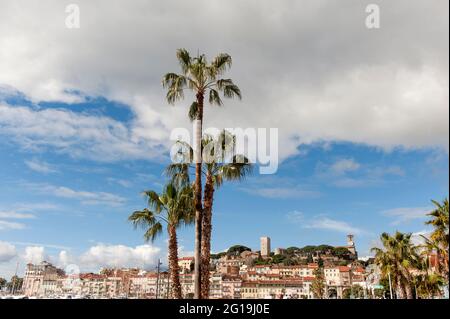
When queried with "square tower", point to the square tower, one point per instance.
{"points": [[265, 246]]}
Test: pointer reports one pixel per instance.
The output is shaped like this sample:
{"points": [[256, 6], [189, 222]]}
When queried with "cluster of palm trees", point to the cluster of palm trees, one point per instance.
{"points": [[417, 271], [182, 202]]}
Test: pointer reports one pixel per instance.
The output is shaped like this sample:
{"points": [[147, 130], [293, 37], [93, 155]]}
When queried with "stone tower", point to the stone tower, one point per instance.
{"points": [[265, 246]]}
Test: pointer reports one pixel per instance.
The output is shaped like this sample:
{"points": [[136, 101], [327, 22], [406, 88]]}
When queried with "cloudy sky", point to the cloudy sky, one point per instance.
{"points": [[84, 126]]}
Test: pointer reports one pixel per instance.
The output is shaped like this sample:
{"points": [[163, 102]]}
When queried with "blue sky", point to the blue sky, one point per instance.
{"points": [[362, 116], [318, 196]]}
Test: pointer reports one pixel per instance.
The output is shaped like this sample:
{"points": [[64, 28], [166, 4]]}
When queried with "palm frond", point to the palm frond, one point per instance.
{"points": [[154, 200], [193, 111], [153, 232], [178, 174], [214, 98], [221, 62], [142, 218], [184, 59]]}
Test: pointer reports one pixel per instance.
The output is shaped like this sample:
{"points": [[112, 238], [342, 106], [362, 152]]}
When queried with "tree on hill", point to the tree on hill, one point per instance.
{"points": [[291, 250], [218, 255], [237, 250], [277, 259], [341, 251]]}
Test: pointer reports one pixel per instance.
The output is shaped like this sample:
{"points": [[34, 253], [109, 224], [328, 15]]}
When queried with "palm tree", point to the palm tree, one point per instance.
{"points": [[427, 283], [398, 259], [173, 207], [217, 170], [203, 79], [438, 241], [318, 285]]}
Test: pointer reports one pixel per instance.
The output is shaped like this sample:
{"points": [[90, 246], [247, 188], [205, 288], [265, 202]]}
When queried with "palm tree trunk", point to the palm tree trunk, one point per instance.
{"points": [[400, 289], [206, 233], [438, 262], [198, 198], [408, 290], [173, 263]]}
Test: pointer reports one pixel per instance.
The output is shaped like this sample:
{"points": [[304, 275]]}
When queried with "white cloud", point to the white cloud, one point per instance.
{"points": [[35, 254], [39, 166], [282, 192], [273, 186], [345, 165], [4, 225], [348, 173], [64, 259], [85, 197], [7, 251], [331, 83], [295, 216], [322, 222], [33, 244], [325, 223], [417, 238], [121, 182], [78, 135], [15, 215], [32, 207], [94, 258], [120, 256], [406, 214]]}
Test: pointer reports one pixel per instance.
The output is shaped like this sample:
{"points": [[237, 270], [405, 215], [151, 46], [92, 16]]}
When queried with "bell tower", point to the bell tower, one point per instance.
{"points": [[351, 244]]}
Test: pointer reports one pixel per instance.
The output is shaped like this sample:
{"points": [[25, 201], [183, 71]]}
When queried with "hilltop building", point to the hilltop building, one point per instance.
{"points": [[351, 244], [265, 246]]}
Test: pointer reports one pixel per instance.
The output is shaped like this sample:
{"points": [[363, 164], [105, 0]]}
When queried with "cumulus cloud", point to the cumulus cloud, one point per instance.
{"points": [[78, 135], [94, 258], [64, 259], [7, 251], [120, 256], [310, 68], [35, 254]]}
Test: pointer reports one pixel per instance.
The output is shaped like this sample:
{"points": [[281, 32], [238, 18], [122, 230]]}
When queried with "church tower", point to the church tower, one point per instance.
{"points": [[351, 244]]}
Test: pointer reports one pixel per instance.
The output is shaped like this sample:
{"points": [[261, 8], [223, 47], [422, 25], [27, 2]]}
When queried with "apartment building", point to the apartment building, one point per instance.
{"points": [[277, 289], [41, 279]]}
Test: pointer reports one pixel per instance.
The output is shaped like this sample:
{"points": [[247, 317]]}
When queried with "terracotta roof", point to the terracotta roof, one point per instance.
{"points": [[92, 276]]}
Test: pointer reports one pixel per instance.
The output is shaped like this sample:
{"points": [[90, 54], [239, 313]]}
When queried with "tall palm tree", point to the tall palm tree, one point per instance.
{"points": [[438, 241], [173, 207], [398, 259], [203, 79], [217, 169]]}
